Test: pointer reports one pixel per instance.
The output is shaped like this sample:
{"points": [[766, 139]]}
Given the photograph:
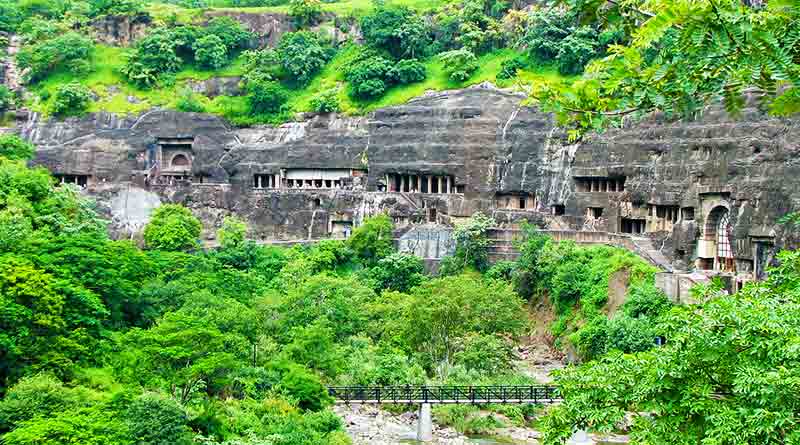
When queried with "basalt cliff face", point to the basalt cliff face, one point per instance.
{"points": [[707, 192]]}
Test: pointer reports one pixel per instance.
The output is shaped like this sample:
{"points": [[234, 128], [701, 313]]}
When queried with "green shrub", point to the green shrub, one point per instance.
{"points": [[398, 272], [232, 233], [303, 387], [157, 420], [645, 300], [71, 98], [6, 98], [502, 270], [631, 335], [188, 102], [232, 34], [302, 55], [266, 97], [370, 77], [305, 12], [372, 240], [38, 395], [459, 64], [172, 227], [14, 147], [210, 52], [326, 101], [69, 51], [399, 31], [577, 50], [115, 7], [408, 71], [487, 354], [154, 55], [569, 283], [509, 68], [10, 16]]}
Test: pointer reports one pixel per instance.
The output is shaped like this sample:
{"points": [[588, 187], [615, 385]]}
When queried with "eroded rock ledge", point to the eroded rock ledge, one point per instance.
{"points": [[443, 157]]}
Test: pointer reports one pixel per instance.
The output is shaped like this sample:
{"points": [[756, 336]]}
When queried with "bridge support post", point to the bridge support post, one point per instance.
{"points": [[424, 423]]}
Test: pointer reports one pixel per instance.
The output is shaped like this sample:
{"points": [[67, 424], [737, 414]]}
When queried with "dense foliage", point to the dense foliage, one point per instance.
{"points": [[727, 374], [681, 56], [105, 343]]}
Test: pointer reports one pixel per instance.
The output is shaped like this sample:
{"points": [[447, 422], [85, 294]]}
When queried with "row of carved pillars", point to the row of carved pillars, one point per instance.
{"points": [[419, 183]]}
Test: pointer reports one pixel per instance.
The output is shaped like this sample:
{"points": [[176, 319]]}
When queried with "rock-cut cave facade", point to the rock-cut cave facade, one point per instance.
{"points": [[703, 195]]}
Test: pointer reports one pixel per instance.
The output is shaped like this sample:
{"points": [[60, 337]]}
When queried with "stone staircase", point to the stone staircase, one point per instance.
{"points": [[644, 247]]}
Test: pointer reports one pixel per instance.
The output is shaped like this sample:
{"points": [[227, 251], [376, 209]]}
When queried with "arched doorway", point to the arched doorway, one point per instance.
{"points": [[179, 161], [718, 230]]}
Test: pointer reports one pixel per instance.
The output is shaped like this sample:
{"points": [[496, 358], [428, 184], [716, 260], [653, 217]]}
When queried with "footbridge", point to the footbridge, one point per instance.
{"points": [[419, 394], [425, 396]]}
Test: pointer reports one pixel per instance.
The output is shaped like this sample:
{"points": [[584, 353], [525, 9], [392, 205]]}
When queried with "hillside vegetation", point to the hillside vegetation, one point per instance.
{"points": [[408, 48], [108, 342]]}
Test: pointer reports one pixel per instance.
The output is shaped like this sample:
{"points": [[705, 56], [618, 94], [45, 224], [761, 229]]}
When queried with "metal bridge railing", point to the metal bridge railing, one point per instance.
{"points": [[444, 394]]}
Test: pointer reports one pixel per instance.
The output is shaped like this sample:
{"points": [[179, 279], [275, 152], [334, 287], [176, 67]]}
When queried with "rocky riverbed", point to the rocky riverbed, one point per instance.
{"points": [[369, 425]]}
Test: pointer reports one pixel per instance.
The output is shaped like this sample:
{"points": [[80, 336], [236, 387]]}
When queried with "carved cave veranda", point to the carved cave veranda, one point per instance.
{"points": [[698, 196]]}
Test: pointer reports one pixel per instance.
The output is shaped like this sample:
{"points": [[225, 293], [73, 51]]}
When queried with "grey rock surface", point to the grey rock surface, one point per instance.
{"points": [[500, 157]]}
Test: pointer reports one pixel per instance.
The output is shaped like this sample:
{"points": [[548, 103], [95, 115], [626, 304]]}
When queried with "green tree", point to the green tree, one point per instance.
{"points": [[266, 97], [398, 272], [302, 54], [10, 15], [398, 31], [305, 12], [441, 312], [682, 56], [37, 395], [233, 35], [210, 52], [726, 374], [14, 147], [472, 245], [186, 353], [71, 98], [69, 51], [155, 54], [459, 64], [172, 227], [157, 420], [6, 98], [369, 77], [373, 239], [37, 328], [232, 233]]}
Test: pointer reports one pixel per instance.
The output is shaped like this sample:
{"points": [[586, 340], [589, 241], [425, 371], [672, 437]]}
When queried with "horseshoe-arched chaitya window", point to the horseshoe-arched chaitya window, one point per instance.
{"points": [[719, 230]]}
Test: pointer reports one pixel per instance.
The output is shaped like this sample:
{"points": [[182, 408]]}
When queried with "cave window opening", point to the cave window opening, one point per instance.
{"points": [[718, 229], [522, 202], [595, 212], [559, 210], [267, 181], [687, 213], [79, 180], [599, 185], [633, 226]]}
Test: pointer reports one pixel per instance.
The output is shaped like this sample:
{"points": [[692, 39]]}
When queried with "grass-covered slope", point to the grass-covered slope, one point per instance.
{"points": [[115, 94]]}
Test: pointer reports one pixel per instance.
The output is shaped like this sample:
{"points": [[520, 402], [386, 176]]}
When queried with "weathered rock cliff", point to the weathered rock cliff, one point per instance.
{"points": [[697, 188]]}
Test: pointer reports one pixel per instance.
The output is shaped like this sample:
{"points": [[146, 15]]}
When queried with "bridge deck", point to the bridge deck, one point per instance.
{"points": [[444, 394]]}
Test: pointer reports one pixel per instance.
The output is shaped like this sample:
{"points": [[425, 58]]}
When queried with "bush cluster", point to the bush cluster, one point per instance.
{"points": [[165, 50]]}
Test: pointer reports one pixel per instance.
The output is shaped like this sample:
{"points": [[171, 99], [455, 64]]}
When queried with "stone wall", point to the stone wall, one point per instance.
{"points": [[657, 177]]}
